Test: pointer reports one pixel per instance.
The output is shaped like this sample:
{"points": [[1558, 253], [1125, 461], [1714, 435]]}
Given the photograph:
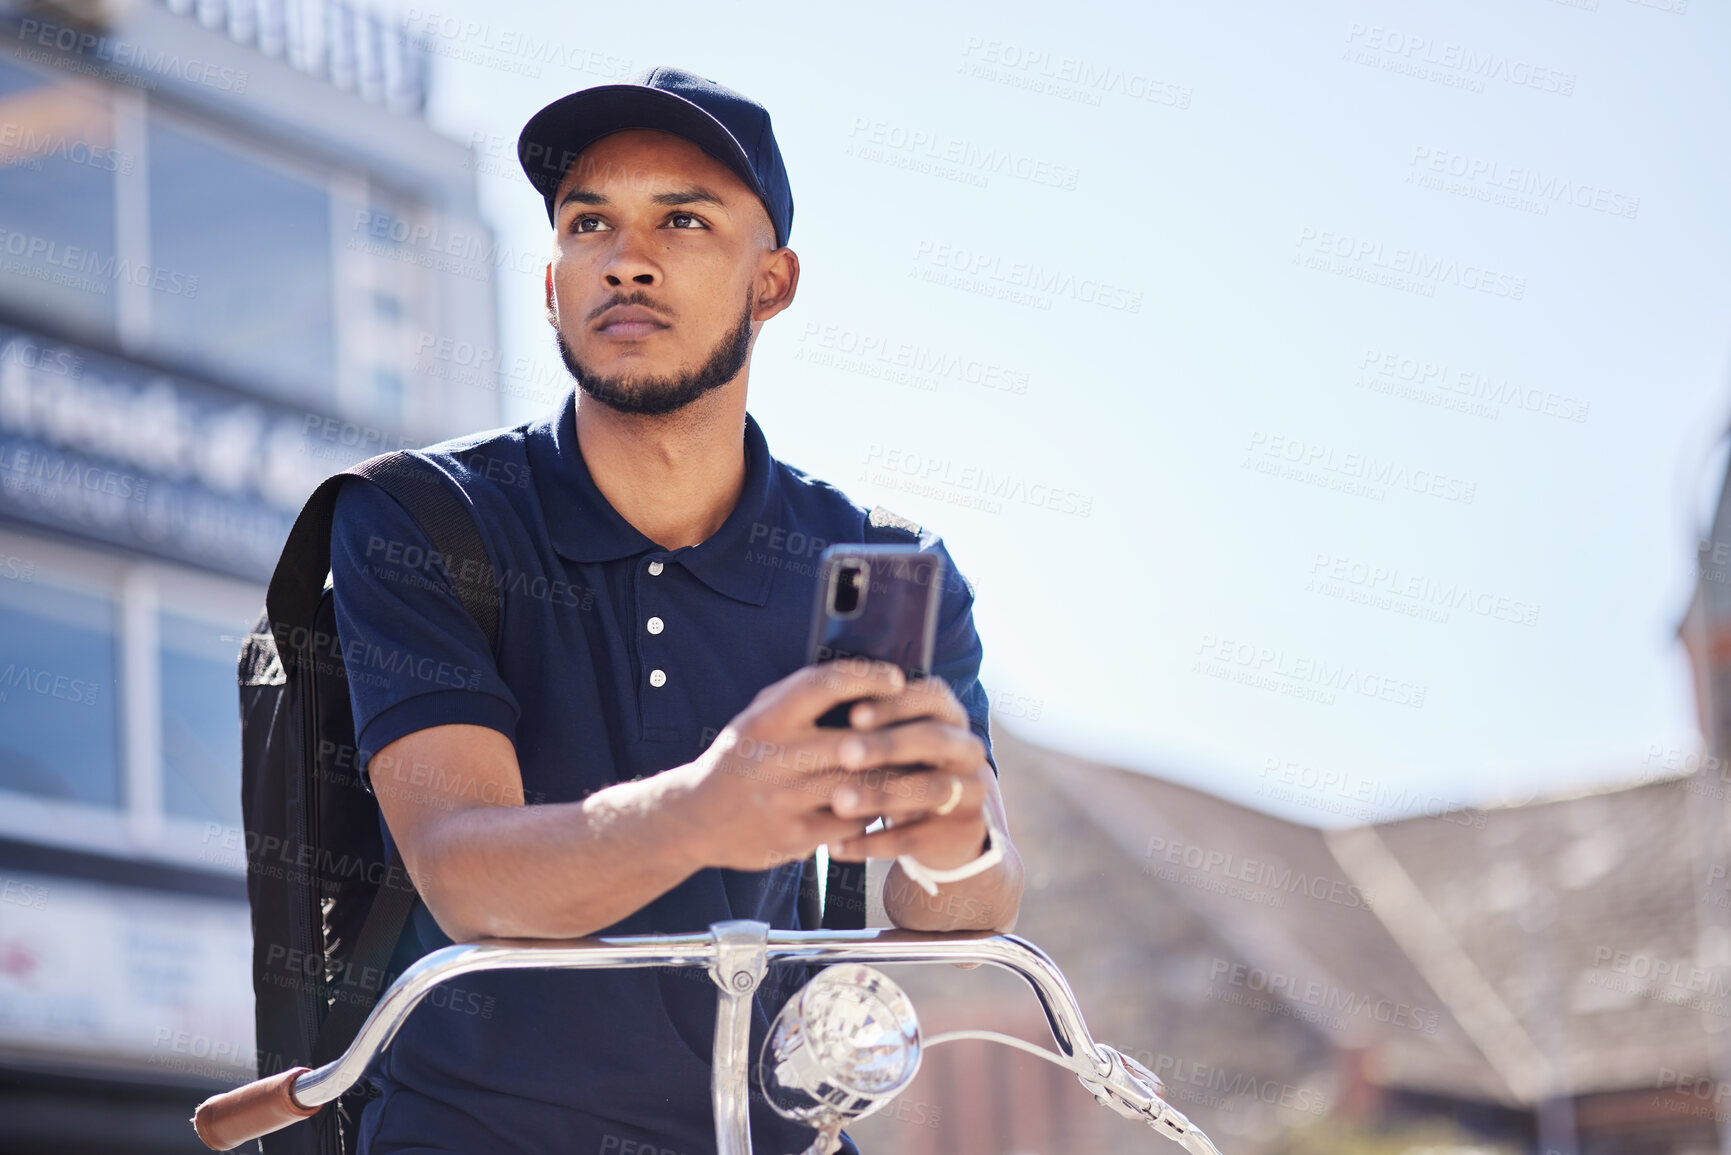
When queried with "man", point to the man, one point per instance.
{"points": [[648, 693]]}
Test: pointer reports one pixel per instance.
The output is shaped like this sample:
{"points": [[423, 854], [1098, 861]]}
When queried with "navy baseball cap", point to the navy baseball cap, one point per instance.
{"points": [[727, 125]]}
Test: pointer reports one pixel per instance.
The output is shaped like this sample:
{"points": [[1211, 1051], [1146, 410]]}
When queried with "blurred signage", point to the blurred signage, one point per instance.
{"points": [[116, 977], [112, 450]]}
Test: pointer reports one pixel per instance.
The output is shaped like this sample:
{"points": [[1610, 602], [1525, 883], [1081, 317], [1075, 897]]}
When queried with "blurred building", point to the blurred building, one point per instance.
{"points": [[1542, 978], [234, 258]]}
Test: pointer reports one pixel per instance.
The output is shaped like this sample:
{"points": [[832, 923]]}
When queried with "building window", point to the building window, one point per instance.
{"points": [[58, 160], [256, 240], [200, 718], [59, 706], [119, 708]]}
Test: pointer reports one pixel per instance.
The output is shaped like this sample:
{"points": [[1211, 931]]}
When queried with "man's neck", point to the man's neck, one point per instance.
{"points": [[676, 477]]}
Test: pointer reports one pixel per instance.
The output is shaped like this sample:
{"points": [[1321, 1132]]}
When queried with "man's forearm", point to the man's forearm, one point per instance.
{"points": [[559, 870], [988, 901]]}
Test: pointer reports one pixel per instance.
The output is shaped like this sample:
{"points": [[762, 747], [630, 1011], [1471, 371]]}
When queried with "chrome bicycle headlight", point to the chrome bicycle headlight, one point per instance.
{"points": [[841, 1048]]}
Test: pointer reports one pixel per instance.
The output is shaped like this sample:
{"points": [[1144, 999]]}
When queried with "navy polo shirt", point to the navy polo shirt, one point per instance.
{"points": [[617, 659]]}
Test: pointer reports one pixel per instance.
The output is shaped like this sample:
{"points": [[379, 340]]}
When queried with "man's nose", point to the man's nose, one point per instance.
{"points": [[631, 262]]}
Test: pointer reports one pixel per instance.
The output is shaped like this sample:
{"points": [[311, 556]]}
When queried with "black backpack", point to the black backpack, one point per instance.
{"points": [[328, 905]]}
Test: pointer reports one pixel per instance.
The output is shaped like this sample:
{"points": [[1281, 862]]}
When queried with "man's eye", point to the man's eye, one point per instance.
{"points": [[692, 217], [579, 222]]}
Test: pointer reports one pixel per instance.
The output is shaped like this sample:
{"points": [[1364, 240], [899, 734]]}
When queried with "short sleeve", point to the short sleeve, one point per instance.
{"points": [[415, 657], [957, 652]]}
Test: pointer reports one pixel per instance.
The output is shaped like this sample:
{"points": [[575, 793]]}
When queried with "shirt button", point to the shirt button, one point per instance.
{"points": [[657, 678], [656, 625], [655, 568]]}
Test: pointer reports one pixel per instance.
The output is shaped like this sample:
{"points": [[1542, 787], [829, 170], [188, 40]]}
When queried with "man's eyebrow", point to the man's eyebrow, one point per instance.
{"points": [[695, 194]]}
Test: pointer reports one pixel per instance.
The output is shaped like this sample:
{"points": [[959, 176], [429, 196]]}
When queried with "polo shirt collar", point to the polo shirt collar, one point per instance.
{"points": [[584, 527]]}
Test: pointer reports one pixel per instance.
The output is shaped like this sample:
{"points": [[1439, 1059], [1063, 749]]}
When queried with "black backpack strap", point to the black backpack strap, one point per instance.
{"points": [[374, 946], [295, 588], [843, 902], [844, 896], [422, 489]]}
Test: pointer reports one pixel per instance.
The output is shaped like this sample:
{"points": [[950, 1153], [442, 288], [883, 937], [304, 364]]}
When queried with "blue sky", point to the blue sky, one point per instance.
{"points": [[1321, 397]]}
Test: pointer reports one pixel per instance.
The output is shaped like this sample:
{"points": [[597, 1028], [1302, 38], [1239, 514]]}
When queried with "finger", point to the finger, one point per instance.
{"points": [[902, 794], [924, 744], [923, 698], [940, 843], [823, 828], [809, 691], [828, 757]]}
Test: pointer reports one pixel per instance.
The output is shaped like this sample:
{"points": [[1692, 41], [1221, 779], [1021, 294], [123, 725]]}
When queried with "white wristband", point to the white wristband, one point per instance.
{"points": [[927, 879]]}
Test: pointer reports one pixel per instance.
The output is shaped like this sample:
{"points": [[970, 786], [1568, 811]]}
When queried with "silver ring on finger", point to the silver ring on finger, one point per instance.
{"points": [[954, 800]]}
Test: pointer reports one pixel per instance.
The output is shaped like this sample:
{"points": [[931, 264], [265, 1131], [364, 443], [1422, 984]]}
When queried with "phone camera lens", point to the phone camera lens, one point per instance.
{"points": [[847, 589]]}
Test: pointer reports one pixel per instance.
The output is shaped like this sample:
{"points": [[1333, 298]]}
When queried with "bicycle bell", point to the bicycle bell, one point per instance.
{"points": [[847, 1044]]}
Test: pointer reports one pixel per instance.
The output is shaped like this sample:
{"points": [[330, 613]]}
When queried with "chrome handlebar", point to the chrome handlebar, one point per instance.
{"points": [[736, 954]]}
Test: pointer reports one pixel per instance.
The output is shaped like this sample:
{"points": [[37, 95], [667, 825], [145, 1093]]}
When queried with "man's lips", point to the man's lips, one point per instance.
{"points": [[629, 321]]}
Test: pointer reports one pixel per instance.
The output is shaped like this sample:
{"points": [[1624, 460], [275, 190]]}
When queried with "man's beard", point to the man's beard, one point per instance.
{"points": [[656, 396]]}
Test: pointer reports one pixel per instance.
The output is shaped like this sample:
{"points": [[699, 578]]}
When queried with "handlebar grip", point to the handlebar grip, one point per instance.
{"points": [[227, 1120]]}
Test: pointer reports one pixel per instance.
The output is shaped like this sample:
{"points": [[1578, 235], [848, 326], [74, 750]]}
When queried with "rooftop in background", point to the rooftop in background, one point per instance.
{"points": [[1475, 963], [352, 48], [324, 77]]}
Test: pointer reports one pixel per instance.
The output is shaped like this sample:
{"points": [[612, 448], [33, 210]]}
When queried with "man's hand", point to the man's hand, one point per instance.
{"points": [[919, 757], [760, 795], [921, 726]]}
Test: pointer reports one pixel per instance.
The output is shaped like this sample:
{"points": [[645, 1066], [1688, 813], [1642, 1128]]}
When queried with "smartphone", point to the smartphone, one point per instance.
{"points": [[879, 602]]}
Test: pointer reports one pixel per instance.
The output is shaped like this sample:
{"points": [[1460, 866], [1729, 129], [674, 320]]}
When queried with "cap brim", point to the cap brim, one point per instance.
{"points": [[558, 133]]}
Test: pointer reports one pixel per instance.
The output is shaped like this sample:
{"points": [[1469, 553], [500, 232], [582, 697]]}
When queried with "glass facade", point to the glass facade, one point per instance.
{"points": [[161, 750], [195, 328], [252, 239], [58, 169], [59, 705], [199, 717]]}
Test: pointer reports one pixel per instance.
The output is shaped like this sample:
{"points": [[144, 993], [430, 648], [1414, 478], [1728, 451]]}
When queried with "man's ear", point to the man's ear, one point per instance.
{"points": [[778, 280], [552, 304]]}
